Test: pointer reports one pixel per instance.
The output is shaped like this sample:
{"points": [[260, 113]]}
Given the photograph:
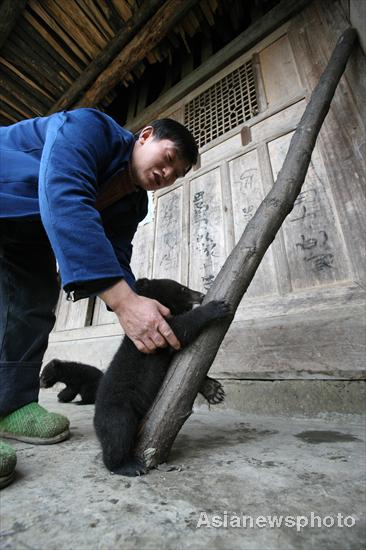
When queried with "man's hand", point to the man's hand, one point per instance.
{"points": [[142, 319]]}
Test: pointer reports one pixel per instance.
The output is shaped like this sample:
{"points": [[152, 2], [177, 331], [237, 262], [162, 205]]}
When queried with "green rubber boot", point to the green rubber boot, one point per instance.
{"points": [[8, 460], [33, 424]]}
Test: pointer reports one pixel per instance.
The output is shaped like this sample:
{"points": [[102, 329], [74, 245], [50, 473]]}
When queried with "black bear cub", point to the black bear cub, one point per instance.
{"points": [[132, 380], [79, 379]]}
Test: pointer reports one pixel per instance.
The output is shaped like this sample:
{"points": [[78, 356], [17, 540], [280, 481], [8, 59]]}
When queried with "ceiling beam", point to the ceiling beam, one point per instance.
{"points": [[136, 50], [114, 47], [9, 13]]}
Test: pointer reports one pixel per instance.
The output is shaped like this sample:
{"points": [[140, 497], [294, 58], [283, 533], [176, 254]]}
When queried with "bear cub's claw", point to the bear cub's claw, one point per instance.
{"points": [[221, 308], [135, 467], [212, 391]]}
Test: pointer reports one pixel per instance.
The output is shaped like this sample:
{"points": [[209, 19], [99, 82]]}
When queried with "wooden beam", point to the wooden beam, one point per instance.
{"points": [[93, 70], [151, 34], [174, 402], [276, 17], [10, 10]]}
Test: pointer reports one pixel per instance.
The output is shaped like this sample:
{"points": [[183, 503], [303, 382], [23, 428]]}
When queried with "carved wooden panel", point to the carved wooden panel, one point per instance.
{"points": [[207, 240], [168, 235], [142, 255], [280, 76], [342, 137], [247, 194], [101, 315], [225, 105], [313, 241]]}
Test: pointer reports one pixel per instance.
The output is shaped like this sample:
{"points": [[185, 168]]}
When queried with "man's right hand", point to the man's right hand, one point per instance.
{"points": [[142, 319]]}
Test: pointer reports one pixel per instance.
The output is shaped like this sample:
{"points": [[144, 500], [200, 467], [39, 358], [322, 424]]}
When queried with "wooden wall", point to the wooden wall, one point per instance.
{"points": [[304, 313]]}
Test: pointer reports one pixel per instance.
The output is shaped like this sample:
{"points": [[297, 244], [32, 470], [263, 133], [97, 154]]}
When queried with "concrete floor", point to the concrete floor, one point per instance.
{"points": [[64, 498]]}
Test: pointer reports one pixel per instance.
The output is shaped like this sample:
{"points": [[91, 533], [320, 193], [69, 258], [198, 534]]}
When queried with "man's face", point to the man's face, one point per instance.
{"points": [[155, 163]]}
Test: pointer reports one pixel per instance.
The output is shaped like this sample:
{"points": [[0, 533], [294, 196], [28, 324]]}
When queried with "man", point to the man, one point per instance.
{"points": [[73, 188]]}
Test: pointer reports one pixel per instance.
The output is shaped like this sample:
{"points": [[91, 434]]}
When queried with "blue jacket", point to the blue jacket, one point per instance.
{"points": [[52, 168]]}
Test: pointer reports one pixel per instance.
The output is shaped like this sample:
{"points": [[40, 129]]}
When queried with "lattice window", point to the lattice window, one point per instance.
{"points": [[225, 105]]}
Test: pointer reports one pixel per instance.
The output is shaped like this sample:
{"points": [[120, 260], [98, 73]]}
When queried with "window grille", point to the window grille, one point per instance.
{"points": [[225, 105]]}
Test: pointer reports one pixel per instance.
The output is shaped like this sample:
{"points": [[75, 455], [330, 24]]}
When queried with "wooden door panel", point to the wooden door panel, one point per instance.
{"points": [[247, 194], [168, 235], [71, 315], [280, 76], [313, 241], [207, 238]]}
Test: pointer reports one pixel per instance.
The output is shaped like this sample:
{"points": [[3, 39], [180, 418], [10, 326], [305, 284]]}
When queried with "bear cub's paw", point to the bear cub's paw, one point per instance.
{"points": [[135, 467], [220, 308], [212, 391]]}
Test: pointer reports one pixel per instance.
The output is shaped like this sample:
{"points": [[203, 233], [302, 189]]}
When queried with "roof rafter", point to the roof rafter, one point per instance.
{"points": [[147, 38], [10, 10], [102, 61]]}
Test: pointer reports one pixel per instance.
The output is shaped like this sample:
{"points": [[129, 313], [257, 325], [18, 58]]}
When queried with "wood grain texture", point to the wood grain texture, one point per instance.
{"points": [[341, 140], [151, 34], [105, 57], [10, 11]]}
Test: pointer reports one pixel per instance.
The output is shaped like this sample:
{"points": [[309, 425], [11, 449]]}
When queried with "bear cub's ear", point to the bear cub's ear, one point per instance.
{"points": [[141, 284]]}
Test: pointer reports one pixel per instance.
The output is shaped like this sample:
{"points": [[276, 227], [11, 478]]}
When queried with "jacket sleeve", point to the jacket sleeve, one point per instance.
{"points": [[123, 250], [78, 147]]}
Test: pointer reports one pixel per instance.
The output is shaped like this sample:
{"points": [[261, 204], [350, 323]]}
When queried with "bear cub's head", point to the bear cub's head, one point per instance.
{"points": [[178, 298], [49, 375]]}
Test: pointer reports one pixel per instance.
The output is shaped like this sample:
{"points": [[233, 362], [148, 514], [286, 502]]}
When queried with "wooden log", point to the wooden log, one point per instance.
{"points": [[5, 120], [78, 19], [96, 16], [16, 106], [111, 14], [14, 113], [47, 50], [14, 85], [173, 404], [151, 34], [57, 51], [32, 66], [61, 12], [9, 13], [123, 9], [106, 56], [13, 72], [9, 115], [52, 23], [39, 57]]}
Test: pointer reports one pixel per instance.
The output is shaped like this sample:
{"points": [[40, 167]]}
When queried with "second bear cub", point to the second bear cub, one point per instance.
{"points": [[132, 380], [79, 379]]}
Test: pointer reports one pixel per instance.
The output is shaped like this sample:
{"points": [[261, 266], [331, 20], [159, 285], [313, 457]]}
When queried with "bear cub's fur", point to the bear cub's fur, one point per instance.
{"points": [[132, 380], [79, 379]]}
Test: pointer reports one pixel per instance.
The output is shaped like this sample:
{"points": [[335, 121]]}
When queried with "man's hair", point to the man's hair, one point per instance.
{"points": [[167, 128]]}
